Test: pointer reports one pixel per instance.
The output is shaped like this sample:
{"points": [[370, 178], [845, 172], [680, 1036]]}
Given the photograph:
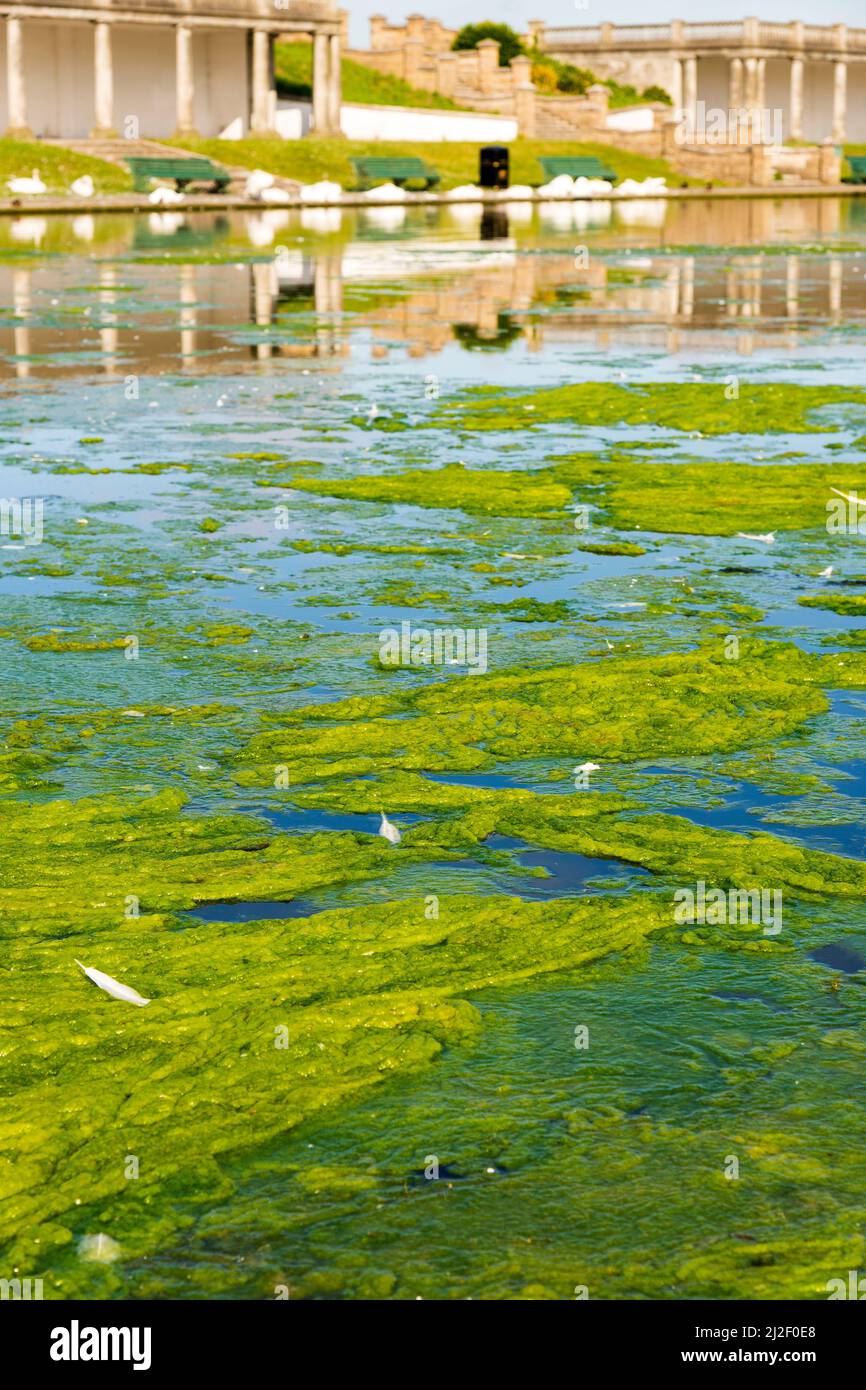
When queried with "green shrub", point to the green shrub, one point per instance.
{"points": [[510, 43]]}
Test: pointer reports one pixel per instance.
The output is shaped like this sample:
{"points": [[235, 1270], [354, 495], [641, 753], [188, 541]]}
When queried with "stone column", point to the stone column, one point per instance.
{"points": [[185, 84], [677, 87], [18, 128], [735, 84], [335, 91], [524, 95], [488, 66], [103, 82], [840, 100], [796, 99], [690, 88], [320, 84], [446, 74], [260, 116]]}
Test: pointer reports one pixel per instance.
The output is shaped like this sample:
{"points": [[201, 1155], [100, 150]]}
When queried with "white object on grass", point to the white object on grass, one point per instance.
{"points": [[83, 187], [24, 185]]}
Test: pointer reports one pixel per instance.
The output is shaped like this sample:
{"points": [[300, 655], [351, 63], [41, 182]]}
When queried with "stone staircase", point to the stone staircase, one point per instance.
{"points": [[553, 124], [117, 151]]}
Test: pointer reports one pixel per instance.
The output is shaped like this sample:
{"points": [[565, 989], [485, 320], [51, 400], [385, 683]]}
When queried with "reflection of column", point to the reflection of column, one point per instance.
{"points": [[188, 321], [796, 99], [673, 291], [840, 100], [731, 294], [792, 287], [263, 303], [21, 332], [687, 292], [261, 116], [752, 286], [16, 94], [320, 84], [834, 288], [334, 83], [103, 81], [328, 299], [185, 81], [108, 318]]}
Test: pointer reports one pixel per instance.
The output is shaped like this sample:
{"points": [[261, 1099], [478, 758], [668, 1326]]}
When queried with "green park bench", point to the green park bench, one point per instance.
{"points": [[181, 170], [399, 170], [857, 165], [577, 165]]}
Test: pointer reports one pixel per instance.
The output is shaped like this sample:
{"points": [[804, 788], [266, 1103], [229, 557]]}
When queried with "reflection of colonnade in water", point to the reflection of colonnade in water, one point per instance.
{"points": [[684, 300], [321, 277], [289, 303]]}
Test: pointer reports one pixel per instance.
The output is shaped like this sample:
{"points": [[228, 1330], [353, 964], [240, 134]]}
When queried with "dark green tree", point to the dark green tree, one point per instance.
{"points": [[510, 43]]}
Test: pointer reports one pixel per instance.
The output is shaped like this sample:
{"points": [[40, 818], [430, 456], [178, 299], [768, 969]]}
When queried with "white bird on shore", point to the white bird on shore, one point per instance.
{"points": [[164, 197], [112, 986], [389, 831], [275, 195], [83, 187], [588, 767], [24, 185], [768, 539], [257, 182]]}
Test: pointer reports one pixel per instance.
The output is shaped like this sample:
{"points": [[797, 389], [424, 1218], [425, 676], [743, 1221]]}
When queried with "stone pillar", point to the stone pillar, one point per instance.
{"points": [[524, 95], [796, 99], [260, 116], [378, 25], [840, 100], [414, 55], [446, 74], [735, 84], [16, 97], [830, 163], [677, 87], [185, 82], [320, 84], [335, 91], [690, 89], [760, 166], [488, 66], [103, 82]]}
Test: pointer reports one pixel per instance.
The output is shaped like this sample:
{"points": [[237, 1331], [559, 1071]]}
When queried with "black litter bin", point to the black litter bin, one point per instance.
{"points": [[493, 166]]}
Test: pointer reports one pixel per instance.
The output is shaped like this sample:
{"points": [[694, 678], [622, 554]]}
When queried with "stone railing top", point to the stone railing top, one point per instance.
{"points": [[709, 34], [230, 9]]}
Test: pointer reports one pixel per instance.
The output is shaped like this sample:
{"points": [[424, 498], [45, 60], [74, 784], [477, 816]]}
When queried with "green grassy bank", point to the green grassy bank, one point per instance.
{"points": [[309, 160]]}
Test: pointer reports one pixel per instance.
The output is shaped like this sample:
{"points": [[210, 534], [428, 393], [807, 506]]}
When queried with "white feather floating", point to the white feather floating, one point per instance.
{"points": [[112, 986], [389, 831]]}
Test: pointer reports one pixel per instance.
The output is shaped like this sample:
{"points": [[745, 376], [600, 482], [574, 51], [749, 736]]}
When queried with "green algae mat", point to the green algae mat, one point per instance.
{"points": [[433, 841]]}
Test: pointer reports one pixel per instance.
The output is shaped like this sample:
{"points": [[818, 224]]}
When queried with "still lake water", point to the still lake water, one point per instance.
{"points": [[145, 363]]}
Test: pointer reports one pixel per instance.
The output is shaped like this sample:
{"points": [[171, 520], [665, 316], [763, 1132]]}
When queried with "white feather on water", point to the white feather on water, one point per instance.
{"points": [[99, 1247], [112, 986], [389, 831]]}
